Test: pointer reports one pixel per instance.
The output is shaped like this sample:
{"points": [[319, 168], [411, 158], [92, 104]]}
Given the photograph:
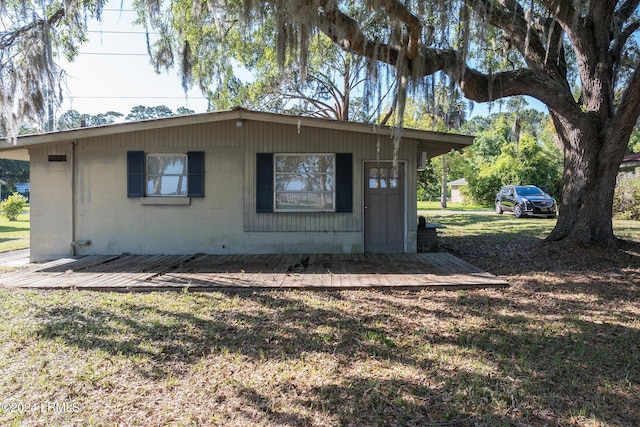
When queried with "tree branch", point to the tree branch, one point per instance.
{"points": [[331, 88], [549, 88], [622, 39], [601, 12], [314, 101], [562, 10], [9, 37], [400, 11], [524, 35], [627, 9], [344, 31], [629, 108], [480, 87]]}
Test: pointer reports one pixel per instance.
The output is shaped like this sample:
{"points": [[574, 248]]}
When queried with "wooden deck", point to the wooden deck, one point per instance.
{"points": [[248, 272]]}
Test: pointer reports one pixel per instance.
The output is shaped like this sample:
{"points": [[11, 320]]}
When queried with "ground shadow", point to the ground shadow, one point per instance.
{"points": [[281, 326]]}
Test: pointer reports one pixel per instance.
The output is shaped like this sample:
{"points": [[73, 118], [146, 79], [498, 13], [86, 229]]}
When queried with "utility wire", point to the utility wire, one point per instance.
{"points": [[112, 54], [142, 33], [138, 97]]}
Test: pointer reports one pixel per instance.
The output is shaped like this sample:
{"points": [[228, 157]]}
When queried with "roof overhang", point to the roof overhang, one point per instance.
{"points": [[433, 143]]}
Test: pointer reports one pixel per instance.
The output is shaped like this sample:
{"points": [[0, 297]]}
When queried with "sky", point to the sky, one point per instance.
{"points": [[113, 71]]}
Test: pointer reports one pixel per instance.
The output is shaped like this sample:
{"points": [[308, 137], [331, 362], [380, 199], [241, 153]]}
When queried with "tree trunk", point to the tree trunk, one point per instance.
{"points": [[443, 189], [592, 159]]}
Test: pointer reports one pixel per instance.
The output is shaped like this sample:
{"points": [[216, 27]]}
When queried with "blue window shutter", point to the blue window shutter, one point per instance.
{"points": [[135, 173], [264, 182], [195, 179], [344, 182]]}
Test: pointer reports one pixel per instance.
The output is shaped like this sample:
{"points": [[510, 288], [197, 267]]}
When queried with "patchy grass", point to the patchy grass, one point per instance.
{"points": [[451, 206], [14, 235], [559, 347]]}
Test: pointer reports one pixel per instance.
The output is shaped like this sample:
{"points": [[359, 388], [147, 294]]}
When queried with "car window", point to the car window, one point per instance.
{"points": [[530, 191]]}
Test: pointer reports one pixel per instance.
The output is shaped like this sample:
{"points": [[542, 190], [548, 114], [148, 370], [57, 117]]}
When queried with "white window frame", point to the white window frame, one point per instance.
{"points": [[184, 175], [275, 182]]}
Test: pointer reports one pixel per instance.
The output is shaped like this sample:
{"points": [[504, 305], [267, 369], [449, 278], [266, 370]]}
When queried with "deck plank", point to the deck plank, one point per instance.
{"points": [[243, 272]]}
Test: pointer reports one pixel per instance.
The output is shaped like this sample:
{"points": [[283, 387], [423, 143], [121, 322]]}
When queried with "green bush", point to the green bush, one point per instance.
{"points": [[626, 198], [13, 206]]}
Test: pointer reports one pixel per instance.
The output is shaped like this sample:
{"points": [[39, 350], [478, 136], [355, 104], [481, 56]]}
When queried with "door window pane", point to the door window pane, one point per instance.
{"points": [[373, 178]]}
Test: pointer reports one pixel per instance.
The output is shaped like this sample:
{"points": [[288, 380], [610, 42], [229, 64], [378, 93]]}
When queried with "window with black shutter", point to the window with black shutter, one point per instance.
{"points": [[344, 182], [165, 174], [264, 182], [135, 174], [304, 182]]}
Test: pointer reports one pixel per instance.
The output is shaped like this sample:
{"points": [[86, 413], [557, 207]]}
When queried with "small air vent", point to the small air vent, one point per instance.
{"points": [[57, 157]]}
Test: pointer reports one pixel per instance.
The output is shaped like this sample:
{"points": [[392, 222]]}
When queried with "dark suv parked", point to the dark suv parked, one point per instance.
{"points": [[525, 200]]}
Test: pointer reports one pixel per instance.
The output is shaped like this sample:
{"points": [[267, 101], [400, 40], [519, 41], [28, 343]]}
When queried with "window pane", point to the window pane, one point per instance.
{"points": [[166, 175], [166, 164], [304, 163], [305, 201], [158, 185], [304, 182]]}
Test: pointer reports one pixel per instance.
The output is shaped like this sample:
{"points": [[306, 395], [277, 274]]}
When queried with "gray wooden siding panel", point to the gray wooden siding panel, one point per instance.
{"points": [[254, 137], [271, 138]]}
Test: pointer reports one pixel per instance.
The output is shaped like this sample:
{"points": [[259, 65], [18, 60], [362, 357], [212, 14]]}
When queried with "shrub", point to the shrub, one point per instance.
{"points": [[626, 197], [13, 206]]}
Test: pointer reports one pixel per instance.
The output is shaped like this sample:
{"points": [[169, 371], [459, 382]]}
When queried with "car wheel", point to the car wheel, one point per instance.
{"points": [[517, 211], [499, 208]]}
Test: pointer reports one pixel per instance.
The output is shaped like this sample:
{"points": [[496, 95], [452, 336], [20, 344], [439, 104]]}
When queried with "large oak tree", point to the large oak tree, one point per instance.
{"points": [[578, 57]]}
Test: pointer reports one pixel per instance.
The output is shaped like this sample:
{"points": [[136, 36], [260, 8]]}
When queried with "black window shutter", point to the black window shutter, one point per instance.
{"points": [[344, 182], [195, 179], [135, 173], [264, 182]]}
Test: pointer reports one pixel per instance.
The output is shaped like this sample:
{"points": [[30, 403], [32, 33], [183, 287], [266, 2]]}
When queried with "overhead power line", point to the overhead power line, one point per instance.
{"points": [[138, 97], [142, 33], [113, 54]]}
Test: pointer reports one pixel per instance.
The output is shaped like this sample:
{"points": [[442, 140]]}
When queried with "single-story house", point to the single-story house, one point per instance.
{"points": [[23, 187], [456, 189], [228, 182]]}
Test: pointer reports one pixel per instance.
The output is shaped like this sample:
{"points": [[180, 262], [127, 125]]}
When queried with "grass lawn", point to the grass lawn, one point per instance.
{"points": [[14, 235], [452, 206], [560, 347]]}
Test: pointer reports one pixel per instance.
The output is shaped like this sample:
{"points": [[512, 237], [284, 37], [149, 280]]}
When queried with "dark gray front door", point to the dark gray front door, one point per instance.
{"points": [[383, 207]]}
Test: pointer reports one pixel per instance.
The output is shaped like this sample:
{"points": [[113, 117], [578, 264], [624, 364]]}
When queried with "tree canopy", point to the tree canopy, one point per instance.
{"points": [[33, 33], [578, 57]]}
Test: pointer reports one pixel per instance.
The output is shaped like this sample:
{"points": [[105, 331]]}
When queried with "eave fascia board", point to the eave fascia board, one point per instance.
{"points": [[77, 134]]}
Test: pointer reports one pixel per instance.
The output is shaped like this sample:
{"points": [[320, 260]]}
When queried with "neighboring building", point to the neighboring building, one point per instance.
{"points": [[23, 187], [630, 162], [456, 189], [230, 182]]}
